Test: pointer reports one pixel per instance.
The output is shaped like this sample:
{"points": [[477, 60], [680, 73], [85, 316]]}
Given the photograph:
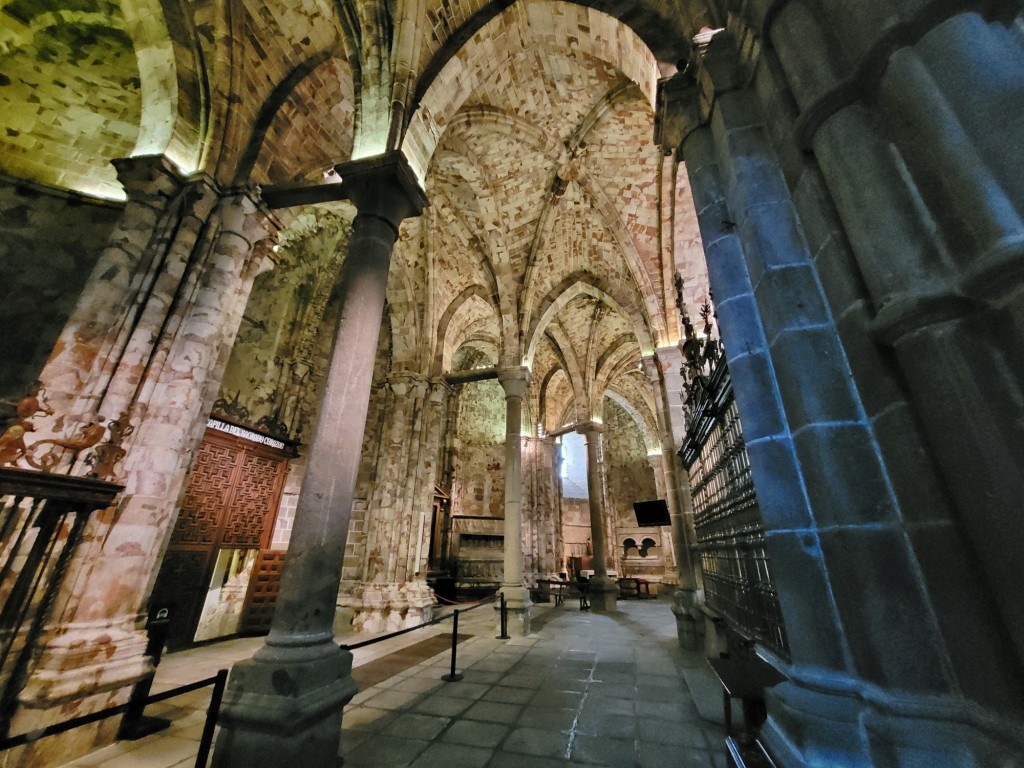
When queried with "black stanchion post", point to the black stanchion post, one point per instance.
{"points": [[454, 676], [134, 724], [211, 718], [504, 620]]}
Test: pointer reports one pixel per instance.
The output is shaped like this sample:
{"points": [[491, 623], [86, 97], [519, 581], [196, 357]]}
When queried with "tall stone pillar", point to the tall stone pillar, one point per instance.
{"points": [[604, 591], [684, 599], [160, 205], [394, 592], [541, 489], [284, 705], [922, 162], [869, 566], [940, 249], [516, 383], [158, 373]]}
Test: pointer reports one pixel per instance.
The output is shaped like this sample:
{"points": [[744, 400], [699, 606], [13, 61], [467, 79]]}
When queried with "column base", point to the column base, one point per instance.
{"points": [[284, 706], [381, 607], [860, 725], [517, 608], [689, 620], [604, 594], [83, 660]]}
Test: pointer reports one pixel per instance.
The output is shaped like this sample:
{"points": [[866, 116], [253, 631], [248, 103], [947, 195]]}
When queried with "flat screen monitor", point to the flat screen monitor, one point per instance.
{"points": [[651, 513]]}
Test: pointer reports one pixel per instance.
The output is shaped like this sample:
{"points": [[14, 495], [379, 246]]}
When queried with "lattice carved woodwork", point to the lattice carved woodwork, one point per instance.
{"points": [[264, 586], [206, 494], [256, 488], [230, 502]]}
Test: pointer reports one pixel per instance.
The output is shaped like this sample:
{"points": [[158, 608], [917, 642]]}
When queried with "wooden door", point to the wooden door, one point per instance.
{"points": [[230, 503]]}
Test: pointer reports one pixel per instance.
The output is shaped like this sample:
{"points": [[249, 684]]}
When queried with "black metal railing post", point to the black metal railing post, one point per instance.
{"points": [[454, 676], [211, 718], [504, 619], [135, 723], [22, 739], [219, 682]]}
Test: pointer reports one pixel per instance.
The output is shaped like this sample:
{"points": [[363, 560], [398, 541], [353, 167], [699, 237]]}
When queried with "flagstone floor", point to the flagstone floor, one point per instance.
{"points": [[584, 689]]}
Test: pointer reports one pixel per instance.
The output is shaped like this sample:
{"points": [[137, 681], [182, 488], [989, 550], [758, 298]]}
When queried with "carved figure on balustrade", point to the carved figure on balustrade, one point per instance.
{"points": [[108, 454], [33, 404], [91, 434], [12, 442]]}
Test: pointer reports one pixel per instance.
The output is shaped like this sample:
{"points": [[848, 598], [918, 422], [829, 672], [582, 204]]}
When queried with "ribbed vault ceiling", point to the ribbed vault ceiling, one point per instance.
{"points": [[545, 190]]}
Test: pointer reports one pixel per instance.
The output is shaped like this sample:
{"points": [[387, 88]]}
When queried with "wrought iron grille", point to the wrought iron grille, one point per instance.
{"points": [[730, 534]]}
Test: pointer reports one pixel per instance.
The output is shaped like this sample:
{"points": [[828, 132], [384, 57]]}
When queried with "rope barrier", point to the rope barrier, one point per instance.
{"points": [[453, 602], [218, 682]]}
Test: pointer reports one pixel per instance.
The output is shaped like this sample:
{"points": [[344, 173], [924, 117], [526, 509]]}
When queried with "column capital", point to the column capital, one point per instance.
{"points": [[149, 179], [439, 390], [652, 368], [684, 100], [383, 186], [669, 354], [719, 69], [677, 112], [588, 428], [403, 383], [242, 212], [515, 381]]}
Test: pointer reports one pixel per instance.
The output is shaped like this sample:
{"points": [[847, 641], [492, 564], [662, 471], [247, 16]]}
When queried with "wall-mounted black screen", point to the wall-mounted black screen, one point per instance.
{"points": [[653, 512]]}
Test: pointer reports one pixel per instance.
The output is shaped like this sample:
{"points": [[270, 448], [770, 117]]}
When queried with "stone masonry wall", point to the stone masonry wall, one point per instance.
{"points": [[37, 294], [629, 474], [478, 486]]}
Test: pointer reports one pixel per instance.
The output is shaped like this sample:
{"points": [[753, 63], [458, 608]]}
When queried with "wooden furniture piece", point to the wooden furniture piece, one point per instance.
{"points": [[635, 587], [745, 678]]}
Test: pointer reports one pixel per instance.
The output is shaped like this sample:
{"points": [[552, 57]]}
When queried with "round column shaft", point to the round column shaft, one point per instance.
{"points": [[515, 382], [684, 599], [604, 591], [284, 705]]}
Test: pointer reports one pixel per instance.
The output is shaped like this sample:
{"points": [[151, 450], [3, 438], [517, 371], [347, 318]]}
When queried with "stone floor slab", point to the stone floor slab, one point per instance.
{"points": [[584, 690]]}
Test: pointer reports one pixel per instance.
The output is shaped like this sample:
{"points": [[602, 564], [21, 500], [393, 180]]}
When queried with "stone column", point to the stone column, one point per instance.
{"points": [[516, 383], [543, 500], [855, 527], [921, 161], [284, 706], [604, 591], [426, 468], [394, 593], [940, 251], [100, 324], [95, 646]]}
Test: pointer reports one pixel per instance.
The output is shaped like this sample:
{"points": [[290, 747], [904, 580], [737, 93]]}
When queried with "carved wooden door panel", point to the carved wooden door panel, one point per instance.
{"points": [[230, 503], [263, 588]]}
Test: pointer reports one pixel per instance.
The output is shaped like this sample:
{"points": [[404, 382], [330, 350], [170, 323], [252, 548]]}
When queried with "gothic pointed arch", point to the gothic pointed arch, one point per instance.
{"points": [[513, 32], [446, 329], [568, 289]]}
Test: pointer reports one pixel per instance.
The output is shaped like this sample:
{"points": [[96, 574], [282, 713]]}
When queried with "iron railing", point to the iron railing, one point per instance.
{"points": [[730, 533], [42, 521], [218, 681]]}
